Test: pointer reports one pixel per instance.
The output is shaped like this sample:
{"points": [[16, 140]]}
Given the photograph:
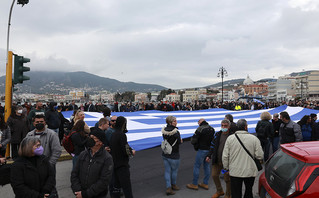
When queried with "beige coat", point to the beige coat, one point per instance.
{"points": [[236, 159]]}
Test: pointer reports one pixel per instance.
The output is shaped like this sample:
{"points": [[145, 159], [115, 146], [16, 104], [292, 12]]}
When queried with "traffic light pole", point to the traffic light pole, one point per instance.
{"points": [[8, 33], [8, 96]]}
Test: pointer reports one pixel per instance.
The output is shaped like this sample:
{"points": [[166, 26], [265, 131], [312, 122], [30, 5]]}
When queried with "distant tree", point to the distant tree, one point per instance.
{"points": [[118, 97], [128, 96], [149, 96], [181, 95], [163, 93]]}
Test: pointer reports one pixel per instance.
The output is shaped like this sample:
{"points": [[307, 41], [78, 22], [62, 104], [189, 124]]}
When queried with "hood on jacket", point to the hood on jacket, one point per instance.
{"points": [[169, 130], [121, 124]]}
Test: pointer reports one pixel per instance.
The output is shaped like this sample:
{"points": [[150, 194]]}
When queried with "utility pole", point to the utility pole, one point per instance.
{"points": [[222, 72], [8, 89]]}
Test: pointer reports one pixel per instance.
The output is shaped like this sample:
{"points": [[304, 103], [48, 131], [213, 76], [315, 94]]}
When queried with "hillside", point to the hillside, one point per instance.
{"points": [[42, 82]]}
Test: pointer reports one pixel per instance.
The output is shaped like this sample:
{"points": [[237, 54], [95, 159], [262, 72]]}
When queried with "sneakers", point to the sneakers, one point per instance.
{"points": [[175, 187], [205, 186], [192, 186], [169, 191], [218, 194]]}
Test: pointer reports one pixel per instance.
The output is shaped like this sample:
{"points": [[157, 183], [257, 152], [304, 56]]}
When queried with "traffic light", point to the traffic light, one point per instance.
{"points": [[23, 2], [19, 69]]}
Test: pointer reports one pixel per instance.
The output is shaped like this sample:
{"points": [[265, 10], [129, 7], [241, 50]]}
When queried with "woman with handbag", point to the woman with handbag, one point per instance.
{"points": [[171, 161]]}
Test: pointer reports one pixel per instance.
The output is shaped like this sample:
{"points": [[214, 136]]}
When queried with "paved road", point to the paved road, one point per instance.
{"points": [[147, 178]]}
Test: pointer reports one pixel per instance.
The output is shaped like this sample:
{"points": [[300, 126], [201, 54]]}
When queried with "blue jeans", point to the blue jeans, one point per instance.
{"points": [[171, 169], [199, 160], [274, 143]]}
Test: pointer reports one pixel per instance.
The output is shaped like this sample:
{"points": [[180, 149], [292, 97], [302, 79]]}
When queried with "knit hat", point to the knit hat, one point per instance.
{"points": [[97, 132]]}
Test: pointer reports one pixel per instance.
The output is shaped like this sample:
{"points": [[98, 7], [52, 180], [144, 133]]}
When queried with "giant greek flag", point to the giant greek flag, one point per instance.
{"points": [[144, 127]]}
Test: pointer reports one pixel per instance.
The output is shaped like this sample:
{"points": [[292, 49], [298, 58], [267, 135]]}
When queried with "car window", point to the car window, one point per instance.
{"points": [[281, 171]]}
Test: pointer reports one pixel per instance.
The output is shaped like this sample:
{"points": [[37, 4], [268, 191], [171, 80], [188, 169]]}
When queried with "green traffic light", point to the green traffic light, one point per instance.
{"points": [[19, 69]]}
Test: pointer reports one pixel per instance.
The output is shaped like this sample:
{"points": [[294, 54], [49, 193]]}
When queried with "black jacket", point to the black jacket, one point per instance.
{"points": [[52, 119], [171, 134], [203, 136], [264, 129], [276, 125], [118, 147], [32, 177], [78, 142], [214, 147], [19, 127], [92, 174]]}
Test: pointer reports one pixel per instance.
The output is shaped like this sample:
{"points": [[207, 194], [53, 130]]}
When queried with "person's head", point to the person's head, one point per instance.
{"points": [[284, 116], [103, 124], [113, 121], [229, 117], [19, 110], [30, 146], [99, 137], [59, 108], [306, 119], [313, 117], [79, 115], [73, 102], [200, 121], [121, 124], [79, 127], [39, 105], [242, 125], [225, 125], [171, 120], [275, 117], [106, 112], [265, 116], [39, 122]]}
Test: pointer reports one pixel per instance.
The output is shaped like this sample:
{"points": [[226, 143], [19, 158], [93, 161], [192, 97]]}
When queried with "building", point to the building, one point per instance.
{"points": [[141, 97], [173, 97]]}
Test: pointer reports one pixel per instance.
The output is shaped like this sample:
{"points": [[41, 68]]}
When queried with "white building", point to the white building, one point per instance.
{"points": [[173, 97]]}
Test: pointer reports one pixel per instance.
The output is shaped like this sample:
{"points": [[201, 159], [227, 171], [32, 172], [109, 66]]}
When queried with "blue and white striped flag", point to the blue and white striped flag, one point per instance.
{"points": [[144, 127]]}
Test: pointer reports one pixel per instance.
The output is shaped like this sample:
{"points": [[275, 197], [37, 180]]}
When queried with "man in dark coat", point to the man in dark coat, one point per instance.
{"points": [[93, 171], [201, 140], [121, 152]]}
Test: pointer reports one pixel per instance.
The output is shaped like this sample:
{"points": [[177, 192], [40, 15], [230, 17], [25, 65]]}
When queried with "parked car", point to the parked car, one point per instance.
{"points": [[292, 172]]}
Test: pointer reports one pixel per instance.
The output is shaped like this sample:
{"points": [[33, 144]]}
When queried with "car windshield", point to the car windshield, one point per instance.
{"points": [[281, 171]]}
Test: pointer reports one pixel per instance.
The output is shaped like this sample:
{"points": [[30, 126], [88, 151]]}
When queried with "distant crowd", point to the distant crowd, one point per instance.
{"points": [[172, 106]]}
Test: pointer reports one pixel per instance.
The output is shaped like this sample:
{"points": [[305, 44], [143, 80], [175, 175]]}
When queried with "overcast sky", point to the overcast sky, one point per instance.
{"points": [[173, 43]]}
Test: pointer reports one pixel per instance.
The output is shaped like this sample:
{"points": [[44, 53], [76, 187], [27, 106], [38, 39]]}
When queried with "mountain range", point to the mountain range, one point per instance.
{"points": [[48, 82], [44, 82]]}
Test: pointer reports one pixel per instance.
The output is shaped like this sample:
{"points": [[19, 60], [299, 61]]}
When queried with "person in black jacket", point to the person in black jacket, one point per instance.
{"points": [[201, 140], [171, 161], [121, 151], [19, 127], [276, 122], [265, 131], [52, 118], [79, 139], [31, 174], [93, 171], [215, 154]]}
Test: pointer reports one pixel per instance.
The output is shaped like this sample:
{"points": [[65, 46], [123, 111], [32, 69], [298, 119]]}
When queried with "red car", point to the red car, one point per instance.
{"points": [[292, 172]]}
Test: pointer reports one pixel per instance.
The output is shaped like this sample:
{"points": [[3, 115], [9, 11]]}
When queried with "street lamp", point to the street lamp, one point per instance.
{"points": [[222, 72]]}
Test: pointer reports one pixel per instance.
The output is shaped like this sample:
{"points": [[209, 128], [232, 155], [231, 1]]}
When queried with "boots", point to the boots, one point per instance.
{"points": [[169, 191], [192, 186], [175, 187], [202, 185], [218, 194]]}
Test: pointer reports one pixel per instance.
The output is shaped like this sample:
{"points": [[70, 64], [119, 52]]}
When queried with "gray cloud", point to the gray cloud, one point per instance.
{"points": [[176, 44]]}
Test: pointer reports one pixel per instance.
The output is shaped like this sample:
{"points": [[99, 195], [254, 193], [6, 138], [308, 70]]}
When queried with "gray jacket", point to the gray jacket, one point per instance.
{"points": [[5, 137], [51, 144]]}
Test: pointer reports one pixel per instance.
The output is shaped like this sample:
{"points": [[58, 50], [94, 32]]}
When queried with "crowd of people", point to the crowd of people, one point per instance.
{"points": [[233, 151], [101, 153]]}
